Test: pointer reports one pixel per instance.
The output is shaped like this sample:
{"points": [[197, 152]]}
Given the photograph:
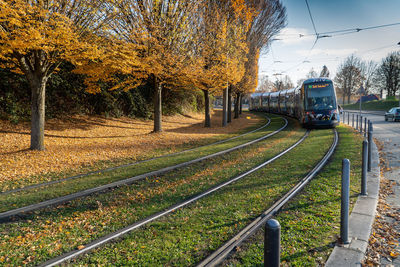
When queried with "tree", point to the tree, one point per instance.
{"points": [[222, 49], [324, 72], [312, 74], [36, 36], [270, 18], [287, 83], [160, 32], [368, 70], [277, 85], [265, 85], [388, 73], [349, 77]]}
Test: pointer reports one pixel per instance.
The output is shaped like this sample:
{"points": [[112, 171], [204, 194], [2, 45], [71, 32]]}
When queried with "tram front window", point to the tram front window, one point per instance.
{"points": [[320, 96]]}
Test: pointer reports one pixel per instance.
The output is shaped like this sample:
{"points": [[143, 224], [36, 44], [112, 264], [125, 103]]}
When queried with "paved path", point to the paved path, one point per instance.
{"points": [[351, 255], [389, 134]]}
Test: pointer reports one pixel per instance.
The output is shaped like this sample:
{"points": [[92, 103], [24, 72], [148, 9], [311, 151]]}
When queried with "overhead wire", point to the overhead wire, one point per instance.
{"points": [[340, 32], [329, 34], [317, 36]]}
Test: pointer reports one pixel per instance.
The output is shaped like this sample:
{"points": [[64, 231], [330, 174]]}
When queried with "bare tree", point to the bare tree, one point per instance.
{"points": [[349, 77], [388, 74], [324, 72], [312, 74], [282, 83], [368, 70], [287, 83], [265, 85], [277, 85]]}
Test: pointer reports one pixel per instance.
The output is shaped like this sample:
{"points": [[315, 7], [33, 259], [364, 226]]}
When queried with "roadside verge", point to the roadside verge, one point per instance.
{"points": [[360, 221]]}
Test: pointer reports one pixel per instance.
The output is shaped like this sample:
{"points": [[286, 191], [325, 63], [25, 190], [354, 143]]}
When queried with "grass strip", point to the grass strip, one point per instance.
{"points": [[24, 198], [104, 164], [50, 232], [310, 223], [191, 233], [383, 105]]}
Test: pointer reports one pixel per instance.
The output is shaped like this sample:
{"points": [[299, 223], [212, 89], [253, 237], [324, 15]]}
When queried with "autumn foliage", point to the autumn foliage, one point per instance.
{"points": [[122, 44]]}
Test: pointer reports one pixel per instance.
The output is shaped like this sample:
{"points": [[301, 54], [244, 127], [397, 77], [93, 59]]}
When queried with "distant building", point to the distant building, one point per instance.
{"points": [[368, 98]]}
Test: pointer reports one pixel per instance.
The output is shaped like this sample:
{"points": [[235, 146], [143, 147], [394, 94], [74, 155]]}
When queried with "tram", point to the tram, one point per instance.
{"points": [[313, 103]]}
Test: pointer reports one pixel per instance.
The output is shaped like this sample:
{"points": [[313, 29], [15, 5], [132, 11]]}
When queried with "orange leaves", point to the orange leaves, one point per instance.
{"points": [[83, 141], [50, 31]]}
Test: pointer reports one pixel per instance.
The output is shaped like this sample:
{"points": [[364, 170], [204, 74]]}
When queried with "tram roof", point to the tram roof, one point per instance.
{"points": [[317, 80]]}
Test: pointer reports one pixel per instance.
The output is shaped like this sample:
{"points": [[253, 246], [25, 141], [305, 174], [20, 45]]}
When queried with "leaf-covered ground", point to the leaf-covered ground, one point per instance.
{"points": [[47, 233], [82, 143], [384, 241]]}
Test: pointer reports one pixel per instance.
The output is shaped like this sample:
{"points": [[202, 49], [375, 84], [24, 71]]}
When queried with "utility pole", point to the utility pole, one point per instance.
{"points": [[361, 91]]}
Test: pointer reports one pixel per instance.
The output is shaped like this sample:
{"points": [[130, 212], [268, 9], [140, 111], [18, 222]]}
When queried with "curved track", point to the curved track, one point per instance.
{"points": [[4, 216], [110, 237], [223, 252], [130, 164]]}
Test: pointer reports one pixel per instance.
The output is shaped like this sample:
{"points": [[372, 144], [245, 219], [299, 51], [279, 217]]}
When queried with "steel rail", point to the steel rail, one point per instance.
{"points": [[223, 252], [130, 164], [59, 200], [112, 236]]}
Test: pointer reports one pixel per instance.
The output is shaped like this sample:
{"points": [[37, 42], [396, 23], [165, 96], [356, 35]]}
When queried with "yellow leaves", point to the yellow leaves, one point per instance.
{"points": [[80, 247], [394, 254], [83, 141], [33, 27]]}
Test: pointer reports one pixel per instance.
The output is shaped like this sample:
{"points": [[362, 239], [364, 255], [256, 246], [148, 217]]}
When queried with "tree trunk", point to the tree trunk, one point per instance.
{"points": [[229, 104], [240, 104], [224, 106], [207, 119], [237, 99], [38, 88], [157, 106], [343, 98]]}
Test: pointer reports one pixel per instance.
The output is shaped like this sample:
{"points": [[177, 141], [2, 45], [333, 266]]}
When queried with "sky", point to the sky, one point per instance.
{"points": [[291, 55]]}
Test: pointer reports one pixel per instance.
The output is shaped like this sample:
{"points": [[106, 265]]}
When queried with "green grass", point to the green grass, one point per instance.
{"points": [[48, 233], [27, 197], [311, 222], [104, 164], [191, 233], [380, 105]]}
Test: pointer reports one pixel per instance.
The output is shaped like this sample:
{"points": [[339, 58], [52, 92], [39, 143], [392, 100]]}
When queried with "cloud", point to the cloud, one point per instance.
{"points": [[289, 36]]}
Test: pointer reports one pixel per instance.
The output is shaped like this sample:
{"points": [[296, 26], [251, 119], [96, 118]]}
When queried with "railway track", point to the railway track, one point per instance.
{"points": [[131, 164], [224, 251], [112, 236], [18, 212]]}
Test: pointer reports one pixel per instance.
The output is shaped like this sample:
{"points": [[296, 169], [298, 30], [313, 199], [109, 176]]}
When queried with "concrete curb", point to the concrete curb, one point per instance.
{"points": [[360, 221]]}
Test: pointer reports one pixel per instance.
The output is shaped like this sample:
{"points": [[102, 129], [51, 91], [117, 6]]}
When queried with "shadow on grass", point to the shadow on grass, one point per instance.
{"points": [[296, 255], [311, 204]]}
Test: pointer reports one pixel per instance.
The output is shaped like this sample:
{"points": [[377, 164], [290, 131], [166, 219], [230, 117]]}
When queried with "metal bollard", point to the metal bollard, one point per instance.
{"points": [[365, 127], [348, 118], [361, 122], [352, 121], [272, 243], [357, 123], [344, 208], [364, 168], [344, 117], [370, 130]]}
